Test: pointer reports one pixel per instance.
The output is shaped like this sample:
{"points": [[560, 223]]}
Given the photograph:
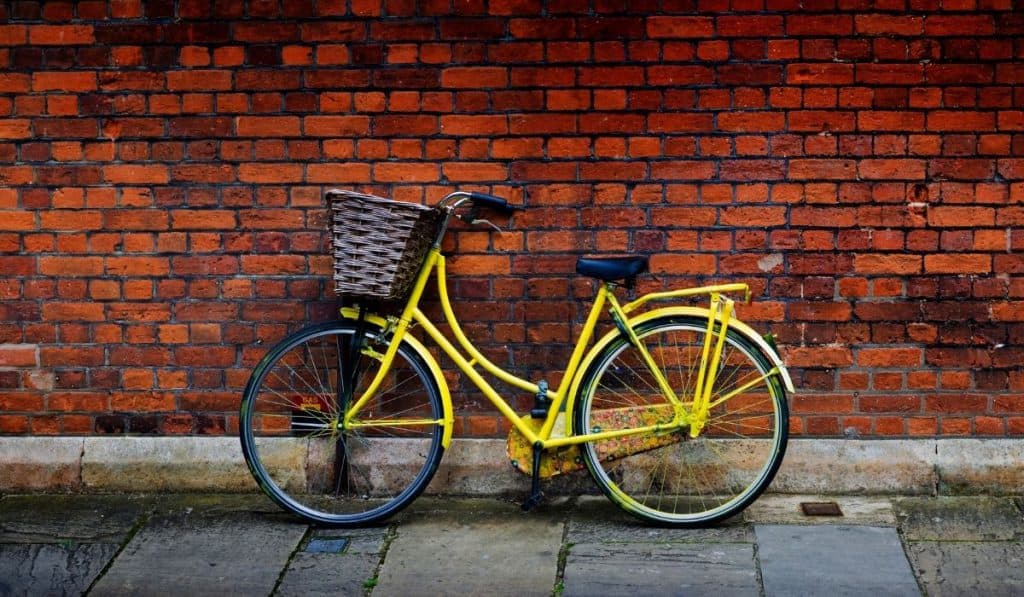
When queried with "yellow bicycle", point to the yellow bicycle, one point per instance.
{"points": [[678, 412]]}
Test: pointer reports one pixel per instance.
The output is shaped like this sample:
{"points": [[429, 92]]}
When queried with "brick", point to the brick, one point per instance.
{"points": [[895, 25], [474, 77], [962, 121], [199, 80], [136, 174], [475, 172], [680, 123], [962, 263], [60, 35], [821, 121], [890, 74], [474, 125], [13, 35], [205, 219], [682, 264], [751, 121], [19, 355], [818, 356], [15, 129], [336, 126], [819, 74], [811, 169], [959, 74], [14, 83], [962, 169], [890, 121], [70, 266], [959, 25], [680, 27], [749, 26], [820, 311], [675, 76], [64, 81], [405, 172], [892, 169], [338, 173], [270, 173], [889, 357], [73, 311], [819, 25], [888, 264], [268, 126]]}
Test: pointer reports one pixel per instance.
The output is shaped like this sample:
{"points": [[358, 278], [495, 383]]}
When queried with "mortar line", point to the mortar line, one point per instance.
{"points": [[136, 528]]}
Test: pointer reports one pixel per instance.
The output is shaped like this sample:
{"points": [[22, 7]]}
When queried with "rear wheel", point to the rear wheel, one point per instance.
{"points": [[307, 459], [667, 477]]}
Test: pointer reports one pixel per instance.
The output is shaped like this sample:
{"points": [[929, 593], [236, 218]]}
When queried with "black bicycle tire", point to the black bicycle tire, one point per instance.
{"points": [[743, 344], [281, 497]]}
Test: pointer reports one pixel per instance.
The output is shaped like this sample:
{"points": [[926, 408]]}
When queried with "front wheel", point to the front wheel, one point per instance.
{"points": [[307, 458], [668, 477]]}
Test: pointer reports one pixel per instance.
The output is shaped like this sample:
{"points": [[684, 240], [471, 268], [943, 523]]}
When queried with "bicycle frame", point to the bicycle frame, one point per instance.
{"points": [[720, 314]]}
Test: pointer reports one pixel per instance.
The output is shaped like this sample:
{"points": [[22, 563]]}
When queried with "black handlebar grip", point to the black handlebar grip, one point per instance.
{"points": [[492, 202]]}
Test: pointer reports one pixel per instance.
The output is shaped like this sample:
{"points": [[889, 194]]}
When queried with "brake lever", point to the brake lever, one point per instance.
{"points": [[488, 222]]}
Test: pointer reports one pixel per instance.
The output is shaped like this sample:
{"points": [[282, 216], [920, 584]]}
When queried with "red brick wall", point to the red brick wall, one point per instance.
{"points": [[858, 162]]}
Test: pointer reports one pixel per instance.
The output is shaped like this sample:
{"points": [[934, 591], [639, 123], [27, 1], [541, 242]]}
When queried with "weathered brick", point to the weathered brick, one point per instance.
{"points": [[64, 81], [680, 27], [59, 35]]}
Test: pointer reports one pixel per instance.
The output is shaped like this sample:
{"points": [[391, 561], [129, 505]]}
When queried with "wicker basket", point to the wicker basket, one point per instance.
{"points": [[378, 244]]}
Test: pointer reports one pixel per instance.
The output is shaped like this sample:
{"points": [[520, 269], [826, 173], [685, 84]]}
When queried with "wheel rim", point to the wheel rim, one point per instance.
{"points": [[308, 460], [673, 478]]}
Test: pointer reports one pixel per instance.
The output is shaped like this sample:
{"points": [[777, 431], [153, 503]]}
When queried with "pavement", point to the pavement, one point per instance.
{"points": [[202, 544]]}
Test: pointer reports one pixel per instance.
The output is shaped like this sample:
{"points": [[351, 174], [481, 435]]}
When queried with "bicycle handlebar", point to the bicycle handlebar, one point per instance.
{"points": [[479, 200], [492, 202]]}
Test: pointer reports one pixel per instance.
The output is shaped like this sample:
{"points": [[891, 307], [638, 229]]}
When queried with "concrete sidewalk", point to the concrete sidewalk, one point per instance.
{"points": [[243, 545]]}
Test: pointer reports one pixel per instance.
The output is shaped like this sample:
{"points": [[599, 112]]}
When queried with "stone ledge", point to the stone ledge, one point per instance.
{"points": [[40, 463], [480, 467]]}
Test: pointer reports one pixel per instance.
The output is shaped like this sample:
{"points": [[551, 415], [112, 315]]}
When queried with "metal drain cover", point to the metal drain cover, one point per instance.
{"points": [[327, 545], [820, 509]]}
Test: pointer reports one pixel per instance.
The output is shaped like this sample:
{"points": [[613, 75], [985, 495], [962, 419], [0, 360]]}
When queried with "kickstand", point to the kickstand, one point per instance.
{"points": [[535, 497]]}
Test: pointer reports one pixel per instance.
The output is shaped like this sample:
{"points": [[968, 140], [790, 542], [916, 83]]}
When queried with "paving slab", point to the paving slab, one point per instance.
{"points": [[474, 547], [960, 519], [597, 520], [203, 554], [785, 509], [51, 569], [833, 560], [328, 574], [661, 569], [62, 518], [969, 568]]}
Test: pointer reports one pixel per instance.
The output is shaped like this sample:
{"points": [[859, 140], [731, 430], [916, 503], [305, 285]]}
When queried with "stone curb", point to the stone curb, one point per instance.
{"points": [[480, 466]]}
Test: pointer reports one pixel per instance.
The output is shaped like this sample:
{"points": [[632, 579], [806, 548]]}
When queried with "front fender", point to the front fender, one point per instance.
{"points": [[699, 312], [435, 369]]}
